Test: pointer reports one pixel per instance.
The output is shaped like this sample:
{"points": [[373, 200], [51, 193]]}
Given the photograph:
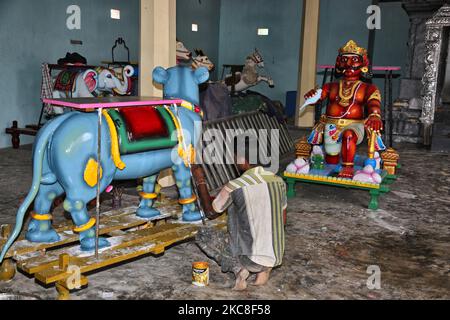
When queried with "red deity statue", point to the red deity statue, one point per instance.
{"points": [[353, 107]]}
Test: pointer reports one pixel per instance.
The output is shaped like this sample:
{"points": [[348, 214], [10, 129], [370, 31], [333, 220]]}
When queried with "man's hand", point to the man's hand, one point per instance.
{"points": [[374, 122]]}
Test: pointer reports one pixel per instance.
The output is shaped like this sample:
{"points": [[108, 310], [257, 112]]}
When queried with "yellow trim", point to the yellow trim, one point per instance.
{"points": [[373, 138], [375, 115], [187, 201], [187, 105], [187, 156], [177, 125], [148, 196], [375, 96], [338, 181], [343, 122], [86, 226], [41, 217], [91, 171], [351, 47], [345, 100], [190, 107], [181, 151], [352, 90], [115, 153]]}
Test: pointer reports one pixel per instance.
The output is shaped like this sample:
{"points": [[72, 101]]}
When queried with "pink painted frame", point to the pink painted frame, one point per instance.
{"points": [[98, 104], [376, 68]]}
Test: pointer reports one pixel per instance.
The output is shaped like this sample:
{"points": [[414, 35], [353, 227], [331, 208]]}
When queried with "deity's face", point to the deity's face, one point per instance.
{"points": [[350, 65]]}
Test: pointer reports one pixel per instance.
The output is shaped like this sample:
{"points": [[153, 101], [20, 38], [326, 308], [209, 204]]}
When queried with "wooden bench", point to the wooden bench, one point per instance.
{"points": [[375, 190], [15, 132]]}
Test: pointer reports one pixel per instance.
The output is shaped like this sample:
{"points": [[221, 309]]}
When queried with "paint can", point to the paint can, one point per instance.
{"points": [[200, 274]]}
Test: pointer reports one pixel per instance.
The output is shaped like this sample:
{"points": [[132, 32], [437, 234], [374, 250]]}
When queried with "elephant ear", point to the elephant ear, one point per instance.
{"points": [[160, 75], [201, 75], [90, 77]]}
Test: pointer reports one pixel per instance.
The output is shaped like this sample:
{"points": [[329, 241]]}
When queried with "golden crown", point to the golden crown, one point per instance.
{"points": [[352, 48]]}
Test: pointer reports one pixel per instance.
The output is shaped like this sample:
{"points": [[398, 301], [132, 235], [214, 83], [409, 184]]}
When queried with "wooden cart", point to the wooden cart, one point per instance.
{"points": [[63, 263]]}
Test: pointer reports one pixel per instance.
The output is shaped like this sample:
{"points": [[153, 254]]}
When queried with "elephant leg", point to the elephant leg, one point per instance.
{"points": [[148, 197], [85, 225], [40, 227], [187, 198]]}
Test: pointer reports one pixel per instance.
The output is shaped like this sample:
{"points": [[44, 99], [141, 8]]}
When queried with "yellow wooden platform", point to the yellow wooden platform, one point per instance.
{"points": [[65, 265], [332, 180]]}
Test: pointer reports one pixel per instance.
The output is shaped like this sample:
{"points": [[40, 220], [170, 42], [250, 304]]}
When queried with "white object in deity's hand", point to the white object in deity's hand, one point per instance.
{"points": [[311, 100]]}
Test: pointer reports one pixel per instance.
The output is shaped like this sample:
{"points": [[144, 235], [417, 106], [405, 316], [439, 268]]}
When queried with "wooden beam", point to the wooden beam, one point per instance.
{"points": [[308, 60], [157, 41]]}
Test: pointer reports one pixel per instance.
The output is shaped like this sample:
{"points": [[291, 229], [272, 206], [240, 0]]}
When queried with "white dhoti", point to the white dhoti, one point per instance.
{"points": [[334, 128]]}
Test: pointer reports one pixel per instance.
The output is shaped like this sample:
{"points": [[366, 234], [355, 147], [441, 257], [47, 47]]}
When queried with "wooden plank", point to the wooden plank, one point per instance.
{"points": [[34, 263], [112, 221], [24, 246], [30, 249], [154, 240], [68, 225], [137, 245], [29, 132]]}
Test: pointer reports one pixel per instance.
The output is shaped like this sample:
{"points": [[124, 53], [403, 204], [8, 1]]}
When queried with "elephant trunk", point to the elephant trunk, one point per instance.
{"points": [[124, 87], [38, 158], [203, 193]]}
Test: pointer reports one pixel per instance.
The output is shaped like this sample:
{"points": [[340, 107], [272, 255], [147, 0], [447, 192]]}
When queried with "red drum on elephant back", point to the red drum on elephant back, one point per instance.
{"points": [[144, 122]]}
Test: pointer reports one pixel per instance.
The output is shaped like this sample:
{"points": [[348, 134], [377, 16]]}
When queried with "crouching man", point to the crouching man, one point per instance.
{"points": [[256, 204]]}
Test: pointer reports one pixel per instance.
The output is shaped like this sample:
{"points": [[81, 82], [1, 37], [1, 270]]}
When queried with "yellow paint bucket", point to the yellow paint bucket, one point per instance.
{"points": [[200, 274]]}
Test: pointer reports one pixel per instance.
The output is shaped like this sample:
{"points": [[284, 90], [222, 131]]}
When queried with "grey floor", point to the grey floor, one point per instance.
{"points": [[331, 241]]}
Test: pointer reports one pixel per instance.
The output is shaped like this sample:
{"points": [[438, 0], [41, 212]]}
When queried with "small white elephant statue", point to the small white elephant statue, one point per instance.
{"points": [[92, 83]]}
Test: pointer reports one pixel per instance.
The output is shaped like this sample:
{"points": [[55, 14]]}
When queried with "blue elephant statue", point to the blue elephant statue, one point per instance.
{"points": [[65, 158]]}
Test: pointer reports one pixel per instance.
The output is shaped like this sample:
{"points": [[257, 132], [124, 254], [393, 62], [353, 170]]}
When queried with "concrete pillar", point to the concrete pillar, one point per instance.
{"points": [[308, 60], [157, 42]]}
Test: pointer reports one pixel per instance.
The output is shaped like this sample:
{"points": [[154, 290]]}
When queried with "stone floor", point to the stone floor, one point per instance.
{"points": [[331, 240]]}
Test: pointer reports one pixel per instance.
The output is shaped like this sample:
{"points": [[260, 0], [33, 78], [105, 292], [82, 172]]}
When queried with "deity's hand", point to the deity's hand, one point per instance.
{"points": [[374, 122], [310, 94]]}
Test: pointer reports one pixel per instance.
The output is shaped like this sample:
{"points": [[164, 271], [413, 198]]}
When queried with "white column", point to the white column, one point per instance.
{"points": [[157, 42], [308, 60]]}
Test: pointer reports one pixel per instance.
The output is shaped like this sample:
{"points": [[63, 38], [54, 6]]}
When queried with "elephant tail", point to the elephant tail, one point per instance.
{"points": [[41, 143]]}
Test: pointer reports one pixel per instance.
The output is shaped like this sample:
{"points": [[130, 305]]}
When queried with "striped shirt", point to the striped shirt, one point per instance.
{"points": [[256, 202]]}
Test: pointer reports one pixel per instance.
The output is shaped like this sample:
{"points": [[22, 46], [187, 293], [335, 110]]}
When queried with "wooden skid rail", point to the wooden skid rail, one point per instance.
{"points": [[129, 235], [110, 222], [23, 246], [154, 243]]}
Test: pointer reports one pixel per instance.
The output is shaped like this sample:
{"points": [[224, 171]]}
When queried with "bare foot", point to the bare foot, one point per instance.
{"points": [[262, 278], [241, 280]]}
